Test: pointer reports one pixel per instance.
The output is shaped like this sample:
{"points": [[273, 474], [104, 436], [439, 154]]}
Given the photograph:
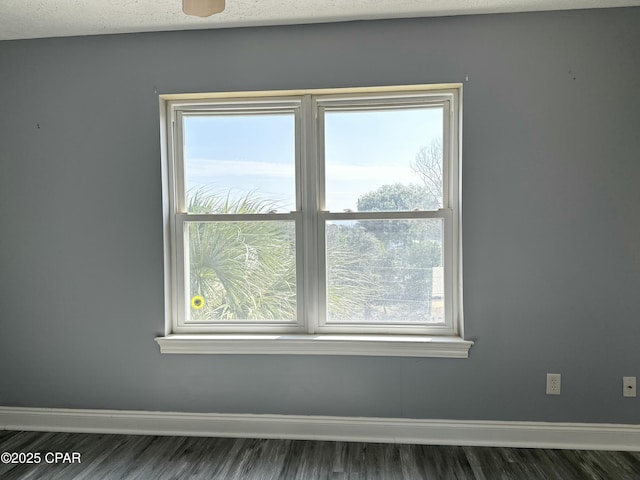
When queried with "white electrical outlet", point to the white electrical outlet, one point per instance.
{"points": [[628, 386], [553, 384]]}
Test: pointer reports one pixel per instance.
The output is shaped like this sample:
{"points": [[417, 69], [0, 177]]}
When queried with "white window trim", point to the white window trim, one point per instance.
{"points": [[308, 337], [368, 345]]}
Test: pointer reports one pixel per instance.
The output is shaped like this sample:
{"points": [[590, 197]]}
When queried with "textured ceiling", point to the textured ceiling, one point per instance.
{"points": [[55, 18]]}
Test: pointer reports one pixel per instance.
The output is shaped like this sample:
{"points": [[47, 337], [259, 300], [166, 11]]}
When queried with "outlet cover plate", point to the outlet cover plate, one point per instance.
{"points": [[553, 384]]}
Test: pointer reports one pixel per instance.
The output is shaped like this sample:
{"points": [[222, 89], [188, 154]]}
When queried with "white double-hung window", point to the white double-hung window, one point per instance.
{"points": [[314, 222]]}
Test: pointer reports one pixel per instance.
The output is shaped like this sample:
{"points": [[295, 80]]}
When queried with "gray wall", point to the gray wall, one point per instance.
{"points": [[551, 228]]}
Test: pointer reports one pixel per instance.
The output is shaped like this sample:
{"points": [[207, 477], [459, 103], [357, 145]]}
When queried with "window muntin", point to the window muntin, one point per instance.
{"points": [[311, 225]]}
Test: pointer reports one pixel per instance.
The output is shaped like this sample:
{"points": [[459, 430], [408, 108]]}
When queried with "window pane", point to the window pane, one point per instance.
{"points": [[238, 157], [242, 271], [385, 271], [383, 160]]}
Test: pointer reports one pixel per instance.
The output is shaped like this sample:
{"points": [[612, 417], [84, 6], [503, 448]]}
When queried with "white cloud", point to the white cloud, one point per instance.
{"points": [[206, 168]]}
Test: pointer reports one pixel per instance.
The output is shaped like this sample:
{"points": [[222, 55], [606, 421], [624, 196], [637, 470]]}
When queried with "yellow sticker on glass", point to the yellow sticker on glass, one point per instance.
{"points": [[197, 302]]}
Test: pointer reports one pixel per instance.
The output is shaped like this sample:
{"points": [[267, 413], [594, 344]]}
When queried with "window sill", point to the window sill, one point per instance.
{"points": [[369, 345]]}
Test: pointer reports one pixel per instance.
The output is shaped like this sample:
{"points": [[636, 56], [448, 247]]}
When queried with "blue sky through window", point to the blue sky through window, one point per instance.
{"points": [[367, 149], [242, 154]]}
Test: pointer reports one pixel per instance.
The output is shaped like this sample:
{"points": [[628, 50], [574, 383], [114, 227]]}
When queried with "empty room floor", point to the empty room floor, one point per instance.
{"points": [[74, 456]]}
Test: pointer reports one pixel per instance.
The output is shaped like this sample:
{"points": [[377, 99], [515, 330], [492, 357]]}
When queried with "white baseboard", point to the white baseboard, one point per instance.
{"points": [[583, 436]]}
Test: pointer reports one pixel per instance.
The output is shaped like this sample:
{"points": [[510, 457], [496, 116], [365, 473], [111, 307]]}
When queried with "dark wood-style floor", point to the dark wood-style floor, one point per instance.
{"points": [[155, 457]]}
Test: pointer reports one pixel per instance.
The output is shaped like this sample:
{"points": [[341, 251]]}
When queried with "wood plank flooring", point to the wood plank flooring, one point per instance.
{"points": [[134, 457]]}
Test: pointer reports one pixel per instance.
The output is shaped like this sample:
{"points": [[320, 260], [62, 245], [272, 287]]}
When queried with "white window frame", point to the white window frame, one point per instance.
{"points": [[180, 218], [311, 334]]}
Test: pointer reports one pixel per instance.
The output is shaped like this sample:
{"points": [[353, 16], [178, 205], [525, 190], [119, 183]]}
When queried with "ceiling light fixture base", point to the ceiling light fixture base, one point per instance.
{"points": [[202, 8]]}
